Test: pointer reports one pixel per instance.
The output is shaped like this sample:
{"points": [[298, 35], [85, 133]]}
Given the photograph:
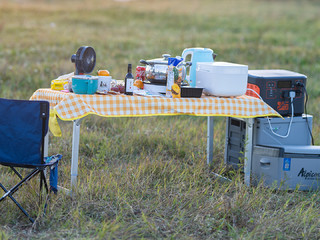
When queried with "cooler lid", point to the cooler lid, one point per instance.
{"points": [[293, 151], [275, 74], [301, 149]]}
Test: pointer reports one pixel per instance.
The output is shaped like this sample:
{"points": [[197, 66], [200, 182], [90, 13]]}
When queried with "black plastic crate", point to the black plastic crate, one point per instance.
{"points": [[191, 92]]}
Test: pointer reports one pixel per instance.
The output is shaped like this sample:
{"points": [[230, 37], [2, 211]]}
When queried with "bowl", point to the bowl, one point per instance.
{"points": [[84, 84]]}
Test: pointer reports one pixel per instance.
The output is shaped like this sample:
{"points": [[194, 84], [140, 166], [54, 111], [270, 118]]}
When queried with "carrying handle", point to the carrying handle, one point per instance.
{"points": [[142, 61], [265, 162], [186, 53]]}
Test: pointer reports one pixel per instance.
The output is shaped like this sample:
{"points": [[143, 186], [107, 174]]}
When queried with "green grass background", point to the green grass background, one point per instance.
{"points": [[146, 178]]}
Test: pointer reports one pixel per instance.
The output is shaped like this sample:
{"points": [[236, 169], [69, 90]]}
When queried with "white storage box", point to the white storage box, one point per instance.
{"points": [[222, 78]]}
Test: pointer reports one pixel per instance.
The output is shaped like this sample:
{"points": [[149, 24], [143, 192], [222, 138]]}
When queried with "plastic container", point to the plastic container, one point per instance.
{"points": [[191, 92], [222, 78], [84, 84], [59, 84]]}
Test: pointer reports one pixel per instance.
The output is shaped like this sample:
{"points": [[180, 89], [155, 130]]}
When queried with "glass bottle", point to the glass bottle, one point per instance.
{"points": [[128, 81]]}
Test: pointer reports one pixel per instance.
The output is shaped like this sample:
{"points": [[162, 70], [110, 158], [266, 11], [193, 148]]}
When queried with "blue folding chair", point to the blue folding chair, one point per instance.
{"points": [[23, 127]]}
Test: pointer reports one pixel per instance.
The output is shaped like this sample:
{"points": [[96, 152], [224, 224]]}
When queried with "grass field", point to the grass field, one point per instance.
{"points": [[146, 178]]}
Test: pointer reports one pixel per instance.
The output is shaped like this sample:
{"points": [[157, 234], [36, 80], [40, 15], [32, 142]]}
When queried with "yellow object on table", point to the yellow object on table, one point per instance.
{"points": [[59, 84], [176, 91]]}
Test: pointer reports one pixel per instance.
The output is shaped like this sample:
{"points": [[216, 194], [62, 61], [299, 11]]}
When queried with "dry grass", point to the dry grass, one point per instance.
{"points": [[146, 178]]}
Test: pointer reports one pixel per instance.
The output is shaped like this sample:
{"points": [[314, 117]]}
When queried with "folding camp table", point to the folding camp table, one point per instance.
{"points": [[74, 107]]}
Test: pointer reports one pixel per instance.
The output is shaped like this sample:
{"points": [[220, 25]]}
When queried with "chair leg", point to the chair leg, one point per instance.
{"points": [[20, 176], [15, 201], [9, 193], [16, 172], [43, 181], [17, 186]]}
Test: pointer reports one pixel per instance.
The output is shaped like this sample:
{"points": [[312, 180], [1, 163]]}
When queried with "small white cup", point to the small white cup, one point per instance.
{"points": [[104, 83]]}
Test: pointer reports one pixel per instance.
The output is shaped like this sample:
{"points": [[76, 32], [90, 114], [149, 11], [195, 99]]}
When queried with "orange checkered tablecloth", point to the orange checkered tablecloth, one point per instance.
{"points": [[70, 106]]}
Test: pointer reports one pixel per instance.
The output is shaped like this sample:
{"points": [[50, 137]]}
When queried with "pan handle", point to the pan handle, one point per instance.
{"points": [[144, 62]]}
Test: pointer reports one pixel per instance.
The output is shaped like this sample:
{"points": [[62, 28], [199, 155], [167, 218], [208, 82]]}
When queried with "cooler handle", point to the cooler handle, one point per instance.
{"points": [[265, 162]]}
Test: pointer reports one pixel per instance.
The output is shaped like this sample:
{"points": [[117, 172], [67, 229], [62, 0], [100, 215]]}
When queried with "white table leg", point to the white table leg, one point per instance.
{"points": [[210, 131], [75, 152], [248, 150], [46, 148], [46, 145]]}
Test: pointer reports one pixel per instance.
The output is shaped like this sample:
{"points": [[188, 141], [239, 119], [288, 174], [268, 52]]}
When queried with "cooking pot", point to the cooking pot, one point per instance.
{"points": [[157, 69]]}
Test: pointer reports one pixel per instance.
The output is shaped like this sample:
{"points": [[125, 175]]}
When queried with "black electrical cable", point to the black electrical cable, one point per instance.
{"points": [[305, 108]]}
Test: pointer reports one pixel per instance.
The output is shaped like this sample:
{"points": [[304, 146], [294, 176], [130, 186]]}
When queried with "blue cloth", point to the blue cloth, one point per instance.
{"points": [[174, 61], [21, 131], [54, 178], [53, 160]]}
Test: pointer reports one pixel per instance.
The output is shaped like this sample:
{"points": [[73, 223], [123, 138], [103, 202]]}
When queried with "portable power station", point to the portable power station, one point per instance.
{"points": [[274, 87]]}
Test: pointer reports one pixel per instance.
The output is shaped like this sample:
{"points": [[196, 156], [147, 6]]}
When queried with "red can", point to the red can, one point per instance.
{"points": [[141, 73]]}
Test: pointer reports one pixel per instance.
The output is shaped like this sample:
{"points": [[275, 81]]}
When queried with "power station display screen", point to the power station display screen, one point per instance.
{"points": [[284, 84]]}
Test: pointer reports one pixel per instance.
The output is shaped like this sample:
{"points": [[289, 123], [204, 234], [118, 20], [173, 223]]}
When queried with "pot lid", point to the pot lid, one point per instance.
{"points": [[163, 60]]}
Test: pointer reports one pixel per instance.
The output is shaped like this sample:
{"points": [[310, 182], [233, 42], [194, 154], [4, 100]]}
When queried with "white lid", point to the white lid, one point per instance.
{"points": [[221, 64], [223, 67], [85, 77], [105, 77]]}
